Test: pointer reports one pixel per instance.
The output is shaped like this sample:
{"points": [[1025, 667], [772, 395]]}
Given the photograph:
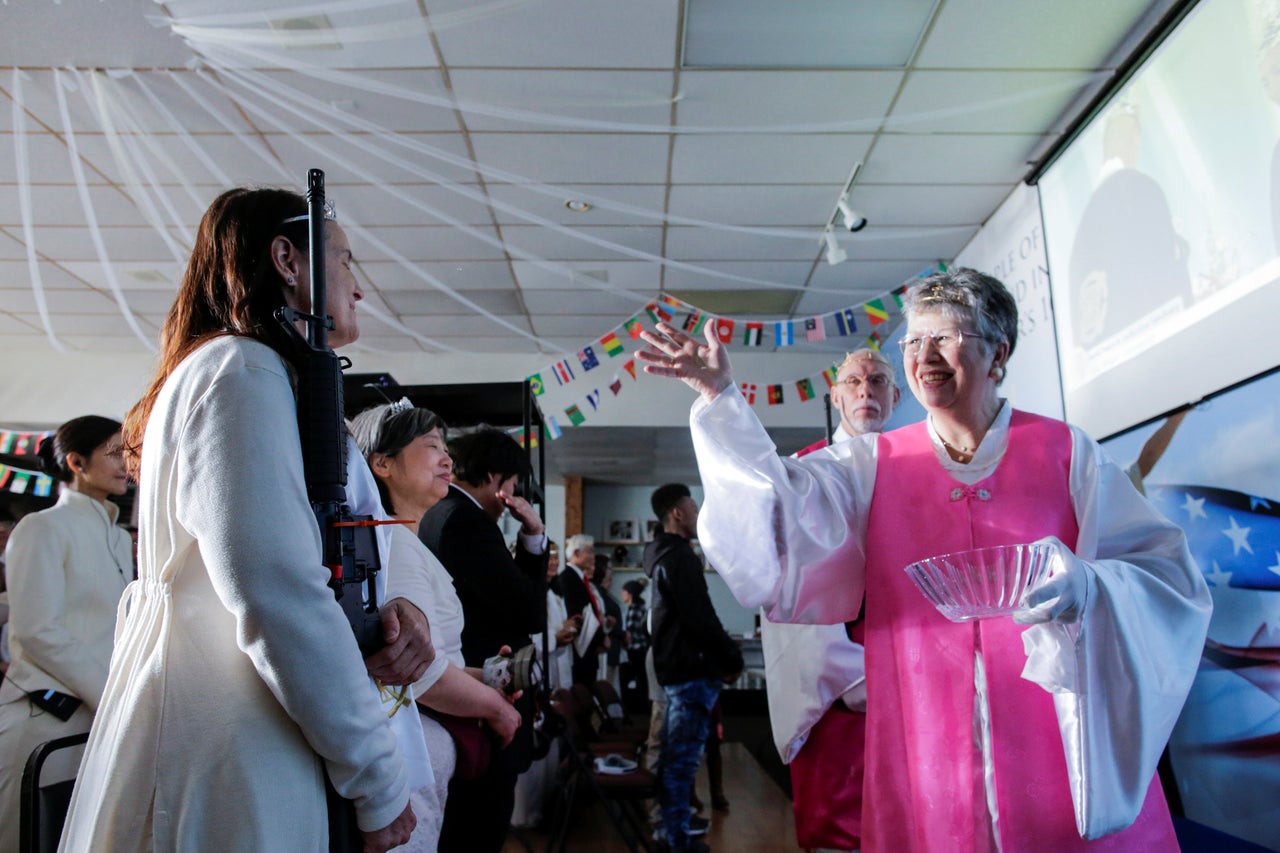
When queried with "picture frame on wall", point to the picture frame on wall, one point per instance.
{"points": [[621, 530], [651, 528]]}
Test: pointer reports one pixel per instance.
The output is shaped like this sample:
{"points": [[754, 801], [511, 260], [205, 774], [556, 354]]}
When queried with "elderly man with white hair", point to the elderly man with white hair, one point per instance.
{"points": [[580, 597], [815, 674]]}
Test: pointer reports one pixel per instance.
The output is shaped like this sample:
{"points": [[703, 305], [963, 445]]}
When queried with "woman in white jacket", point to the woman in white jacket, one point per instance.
{"points": [[66, 568], [236, 684]]}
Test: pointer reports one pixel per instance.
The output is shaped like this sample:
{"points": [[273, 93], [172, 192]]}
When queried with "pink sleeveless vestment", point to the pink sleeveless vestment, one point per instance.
{"points": [[924, 788]]}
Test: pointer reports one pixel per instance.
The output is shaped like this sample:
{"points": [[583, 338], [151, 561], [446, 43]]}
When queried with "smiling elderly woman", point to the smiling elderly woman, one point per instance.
{"points": [[981, 735]]}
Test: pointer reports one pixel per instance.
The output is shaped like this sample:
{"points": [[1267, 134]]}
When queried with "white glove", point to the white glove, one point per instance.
{"points": [[1062, 595]]}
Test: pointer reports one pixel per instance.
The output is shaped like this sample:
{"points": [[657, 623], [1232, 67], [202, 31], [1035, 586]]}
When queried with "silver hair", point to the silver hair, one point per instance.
{"points": [[966, 295], [867, 354], [576, 543]]}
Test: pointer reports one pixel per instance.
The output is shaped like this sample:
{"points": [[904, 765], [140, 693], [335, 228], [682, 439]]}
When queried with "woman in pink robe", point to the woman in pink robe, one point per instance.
{"points": [[1039, 733]]}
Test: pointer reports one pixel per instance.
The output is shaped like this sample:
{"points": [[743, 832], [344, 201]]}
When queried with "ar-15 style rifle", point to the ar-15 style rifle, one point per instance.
{"points": [[350, 547]]}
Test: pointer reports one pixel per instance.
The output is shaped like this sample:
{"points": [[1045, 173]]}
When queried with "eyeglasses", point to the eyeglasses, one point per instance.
{"points": [[878, 381], [946, 340]]}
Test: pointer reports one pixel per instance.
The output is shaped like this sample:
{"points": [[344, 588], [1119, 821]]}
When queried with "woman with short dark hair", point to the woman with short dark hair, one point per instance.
{"points": [[66, 567]]}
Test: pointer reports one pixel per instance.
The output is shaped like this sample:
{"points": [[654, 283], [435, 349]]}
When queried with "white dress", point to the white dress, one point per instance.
{"points": [[235, 681]]}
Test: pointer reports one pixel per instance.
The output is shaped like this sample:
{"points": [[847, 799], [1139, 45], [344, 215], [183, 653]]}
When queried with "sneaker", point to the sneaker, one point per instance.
{"points": [[698, 826], [614, 765]]}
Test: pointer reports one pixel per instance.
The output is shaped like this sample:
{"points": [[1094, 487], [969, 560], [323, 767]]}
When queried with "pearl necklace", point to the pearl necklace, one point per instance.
{"points": [[967, 451]]}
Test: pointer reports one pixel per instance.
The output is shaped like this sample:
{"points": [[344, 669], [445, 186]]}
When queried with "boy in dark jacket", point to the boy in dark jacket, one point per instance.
{"points": [[692, 654]]}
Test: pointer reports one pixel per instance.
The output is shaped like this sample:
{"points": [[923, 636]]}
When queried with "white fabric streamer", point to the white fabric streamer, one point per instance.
{"points": [[24, 205], [176, 126], [95, 233]]}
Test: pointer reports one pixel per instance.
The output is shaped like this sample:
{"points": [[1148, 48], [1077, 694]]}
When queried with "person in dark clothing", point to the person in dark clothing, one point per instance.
{"points": [[693, 655], [635, 684], [502, 602], [582, 599]]}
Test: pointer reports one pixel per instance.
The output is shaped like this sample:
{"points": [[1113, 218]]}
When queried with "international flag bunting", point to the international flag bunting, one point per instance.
{"points": [[587, 356], [612, 345], [749, 392], [804, 387], [563, 372], [898, 294], [775, 395], [874, 341], [694, 322], [813, 331], [633, 327], [574, 414], [668, 299], [553, 428], [7, 440], [657, 313], [751, 337], [876, 312], [44, 485], [845, 324], [630, 367], [782, 333], [20, 481], [724, 329], [1234, 537], [616, 385], [594, 399], [519, 435], [535, 384], [830, 375]]}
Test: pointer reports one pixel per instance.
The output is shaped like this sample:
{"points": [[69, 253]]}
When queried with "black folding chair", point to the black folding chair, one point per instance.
{"points": [[44, 807]]}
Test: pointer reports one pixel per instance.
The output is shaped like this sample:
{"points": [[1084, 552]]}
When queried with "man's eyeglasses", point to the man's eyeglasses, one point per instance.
{"points": [[878, 381], [946, 340]]}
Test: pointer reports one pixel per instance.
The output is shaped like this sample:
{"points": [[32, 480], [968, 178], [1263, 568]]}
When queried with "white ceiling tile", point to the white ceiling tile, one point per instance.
{"points": [[434, 302], [107, 325], [427, 243], [576, 157], [831, 101], [466, 326], [558, 245], [60, 205], [648, 198], [963, 35], [124, 244], [95, 343], [790, 158], [459, 275], [950, 158], [585, 328], [923, 205], [689, 244], [579, 302], [15, 275], [815, 34], [565, 34], [503, 98], [345, 160], [157, 275], [636, 276], [757, 205], [90, 34], [24, 327], [908, 243], [786, 273], [408, 204], [986, 101]]}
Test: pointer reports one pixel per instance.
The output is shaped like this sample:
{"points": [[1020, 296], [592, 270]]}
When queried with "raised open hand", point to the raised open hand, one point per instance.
{"points": [[703, 367]]}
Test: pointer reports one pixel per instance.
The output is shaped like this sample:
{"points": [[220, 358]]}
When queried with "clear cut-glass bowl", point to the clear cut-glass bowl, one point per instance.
{"points": [[982, 583]]}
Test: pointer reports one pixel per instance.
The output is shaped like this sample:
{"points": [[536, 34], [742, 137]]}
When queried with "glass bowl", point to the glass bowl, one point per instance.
{"points": [[983, 583]]}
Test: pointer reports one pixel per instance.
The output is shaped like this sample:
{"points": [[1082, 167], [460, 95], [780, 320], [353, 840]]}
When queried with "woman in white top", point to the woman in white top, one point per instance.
{"points": [[66, 568], [406, 450], [236, 684]]}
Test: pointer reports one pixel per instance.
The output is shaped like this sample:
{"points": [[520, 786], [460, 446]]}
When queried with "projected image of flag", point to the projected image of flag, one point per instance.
{"points": [[1234, 537]]}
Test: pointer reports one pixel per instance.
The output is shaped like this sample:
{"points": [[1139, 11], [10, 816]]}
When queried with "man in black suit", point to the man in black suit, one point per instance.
{"points": [[582, 597], [502, 603]]}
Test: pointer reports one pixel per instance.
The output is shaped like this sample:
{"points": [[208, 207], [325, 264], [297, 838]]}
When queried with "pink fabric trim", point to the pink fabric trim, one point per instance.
{"points": [[924, 780]]}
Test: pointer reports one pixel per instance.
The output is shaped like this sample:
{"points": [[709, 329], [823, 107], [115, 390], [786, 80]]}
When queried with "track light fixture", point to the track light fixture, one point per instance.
{"points": [[835, 254], [852, 221]]}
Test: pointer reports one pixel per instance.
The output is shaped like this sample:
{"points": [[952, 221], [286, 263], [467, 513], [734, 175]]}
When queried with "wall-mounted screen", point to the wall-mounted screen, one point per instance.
{"points": [[1162, 224]]}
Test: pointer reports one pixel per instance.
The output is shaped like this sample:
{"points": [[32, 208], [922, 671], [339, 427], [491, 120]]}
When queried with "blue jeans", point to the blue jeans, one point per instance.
{"points": [[684, 736]]}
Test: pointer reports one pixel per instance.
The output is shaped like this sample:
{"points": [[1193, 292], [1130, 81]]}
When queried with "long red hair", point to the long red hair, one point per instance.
{"points": [[230, 287]]}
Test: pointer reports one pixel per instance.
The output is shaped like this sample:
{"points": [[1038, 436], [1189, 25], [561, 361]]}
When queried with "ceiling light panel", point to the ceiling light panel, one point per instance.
{"points": [[812, 34]]}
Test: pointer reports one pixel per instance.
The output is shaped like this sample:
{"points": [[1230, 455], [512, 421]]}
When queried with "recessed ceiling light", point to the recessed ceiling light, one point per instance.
{"points": [[578, 206]]}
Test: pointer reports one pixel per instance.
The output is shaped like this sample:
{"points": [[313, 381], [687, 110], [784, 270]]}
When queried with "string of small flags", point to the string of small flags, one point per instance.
{"points": [[729, 330], [18, 479]]}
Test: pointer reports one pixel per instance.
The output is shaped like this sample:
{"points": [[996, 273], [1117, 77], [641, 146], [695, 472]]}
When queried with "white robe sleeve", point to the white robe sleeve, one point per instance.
{"points": [[785, 534], [1121, 674]]}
